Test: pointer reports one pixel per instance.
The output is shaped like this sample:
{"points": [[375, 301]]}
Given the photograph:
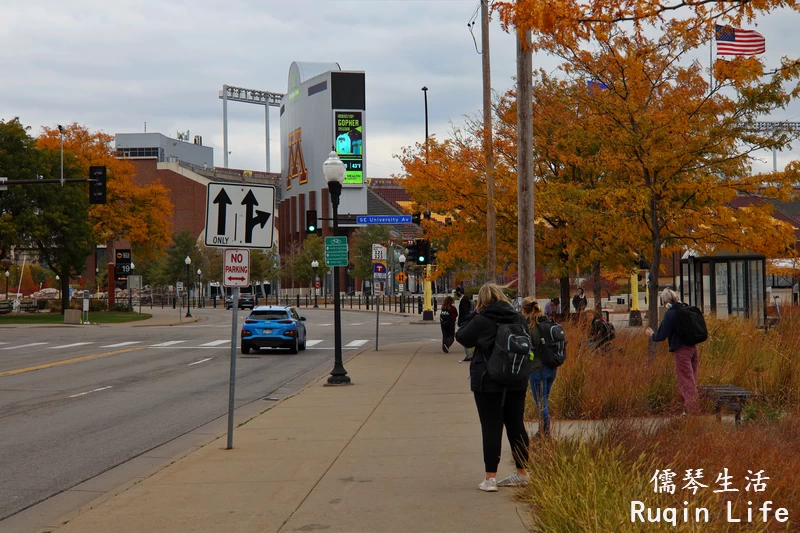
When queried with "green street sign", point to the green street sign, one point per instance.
{"points": [[336, 251]]}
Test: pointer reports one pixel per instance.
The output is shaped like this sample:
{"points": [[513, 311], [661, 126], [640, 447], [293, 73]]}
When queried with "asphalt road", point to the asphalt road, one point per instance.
{"points": [[75, 402]]}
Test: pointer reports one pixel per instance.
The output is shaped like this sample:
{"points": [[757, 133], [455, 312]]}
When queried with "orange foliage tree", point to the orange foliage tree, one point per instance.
{"points": [[136, 213]]}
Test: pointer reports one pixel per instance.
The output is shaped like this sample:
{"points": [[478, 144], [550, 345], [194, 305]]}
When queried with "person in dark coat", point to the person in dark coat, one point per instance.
{"points": [[464, 315], [447, 320], [497, 405]]}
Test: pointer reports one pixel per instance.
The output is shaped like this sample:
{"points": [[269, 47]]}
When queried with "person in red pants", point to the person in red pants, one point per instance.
{"points": [[687, 357]]}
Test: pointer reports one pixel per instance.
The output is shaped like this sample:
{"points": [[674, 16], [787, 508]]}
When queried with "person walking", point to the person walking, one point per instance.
{"points": [[464, 316], [498, 405], [542, 376], [579, 301], [447, 320], [687, 358]]}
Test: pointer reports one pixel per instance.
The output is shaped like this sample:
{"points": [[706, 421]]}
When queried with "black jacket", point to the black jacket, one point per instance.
{"points": [[464, 310], [479, 333]]}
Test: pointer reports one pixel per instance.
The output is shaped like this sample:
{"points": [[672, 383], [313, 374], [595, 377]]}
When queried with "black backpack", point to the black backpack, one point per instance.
{"points": [[552, 349], [691, 324], [445, 319], [510, 363]]}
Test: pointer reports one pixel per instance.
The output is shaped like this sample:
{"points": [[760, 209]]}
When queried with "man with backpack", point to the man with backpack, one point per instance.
{"points": [[684, 327]]}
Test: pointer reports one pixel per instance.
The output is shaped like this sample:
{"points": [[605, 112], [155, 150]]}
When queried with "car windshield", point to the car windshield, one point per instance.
{"points": [[269, 315]]}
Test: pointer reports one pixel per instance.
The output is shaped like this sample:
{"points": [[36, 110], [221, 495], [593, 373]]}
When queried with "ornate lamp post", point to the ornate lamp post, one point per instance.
{"points": [[130, 295], [315, 266], [199, 288], [402, 260], [6, 284], [188, 262], [333, 169]]}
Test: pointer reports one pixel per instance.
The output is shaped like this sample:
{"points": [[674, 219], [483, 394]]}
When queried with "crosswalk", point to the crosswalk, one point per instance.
{"points": [[315, 344]]}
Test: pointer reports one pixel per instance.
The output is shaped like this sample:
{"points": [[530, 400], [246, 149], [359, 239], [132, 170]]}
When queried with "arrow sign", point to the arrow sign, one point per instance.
{"points": [[224, 201], [231, 278], [261, 217]]}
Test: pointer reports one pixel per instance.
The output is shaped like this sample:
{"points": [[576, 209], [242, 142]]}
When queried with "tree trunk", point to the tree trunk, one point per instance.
{"points": [[564, 283], [598, 297], [652, 288]]}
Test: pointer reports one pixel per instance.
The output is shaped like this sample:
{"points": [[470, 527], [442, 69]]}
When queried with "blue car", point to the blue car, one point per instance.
{"points": [[274, 326]]}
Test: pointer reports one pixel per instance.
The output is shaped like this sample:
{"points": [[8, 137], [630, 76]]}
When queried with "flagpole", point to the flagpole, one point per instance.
{"points": [[711, 65]]}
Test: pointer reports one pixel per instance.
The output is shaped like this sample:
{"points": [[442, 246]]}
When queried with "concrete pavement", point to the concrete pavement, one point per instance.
{"points": [[399, 450]]}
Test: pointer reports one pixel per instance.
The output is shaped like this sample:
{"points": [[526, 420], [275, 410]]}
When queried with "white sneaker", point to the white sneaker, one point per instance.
{"points": [[514, 480], [488, 485]]}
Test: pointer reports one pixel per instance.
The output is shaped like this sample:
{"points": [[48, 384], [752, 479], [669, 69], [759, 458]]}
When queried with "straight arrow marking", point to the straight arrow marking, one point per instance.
{"points": [[224, 201], [260, 219]]}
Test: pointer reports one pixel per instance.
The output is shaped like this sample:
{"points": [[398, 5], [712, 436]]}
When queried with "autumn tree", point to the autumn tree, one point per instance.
{"points": [[361, 248], [136, 213]]}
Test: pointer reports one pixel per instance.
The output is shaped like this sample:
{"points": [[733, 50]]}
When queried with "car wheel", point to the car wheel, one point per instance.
{"points": [[293, 347], [245, 349], [303, 345]]}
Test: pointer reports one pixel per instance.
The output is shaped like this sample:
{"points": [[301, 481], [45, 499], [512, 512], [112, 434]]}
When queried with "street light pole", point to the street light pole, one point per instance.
{"points": [[402, 260], [315, 266], [61, 143], [199, 290], [333, 169], [188, 262], [6, 284], [425, 92]]}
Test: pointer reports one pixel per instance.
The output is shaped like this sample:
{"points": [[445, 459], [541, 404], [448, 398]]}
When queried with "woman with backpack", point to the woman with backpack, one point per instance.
{"points": [[447, 320], [498, 405], [543, 376]]}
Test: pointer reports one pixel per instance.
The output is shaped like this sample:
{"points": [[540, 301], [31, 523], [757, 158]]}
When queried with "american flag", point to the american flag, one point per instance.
{"points": [[737, 42]]}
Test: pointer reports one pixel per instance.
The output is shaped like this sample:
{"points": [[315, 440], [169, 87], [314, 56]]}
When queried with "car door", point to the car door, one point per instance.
{"points": [[300, 323]]}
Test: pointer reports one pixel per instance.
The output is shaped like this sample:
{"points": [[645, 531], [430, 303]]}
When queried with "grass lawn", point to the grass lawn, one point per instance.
{"points": [[98, 317]]}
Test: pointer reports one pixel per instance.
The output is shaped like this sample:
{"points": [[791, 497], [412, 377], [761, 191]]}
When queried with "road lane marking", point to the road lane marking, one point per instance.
{"points": [[216, 343], [356, 344], [357, 324], [312, 343], [200, 361], [69, 345], [65, 362], [24, 346], [386, 323], [120, 344], [163, 344], [89, 392], [324, 324]]}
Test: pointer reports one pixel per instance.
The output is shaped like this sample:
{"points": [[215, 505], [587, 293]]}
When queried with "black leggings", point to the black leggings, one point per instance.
{"points": [[494, 415]]}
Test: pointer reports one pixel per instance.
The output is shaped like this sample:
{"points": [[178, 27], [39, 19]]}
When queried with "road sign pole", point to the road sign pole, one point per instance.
{"points": [[232, 389], [377, 313]]}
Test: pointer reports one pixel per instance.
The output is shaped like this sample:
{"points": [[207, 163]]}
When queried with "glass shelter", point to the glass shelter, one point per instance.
{"points": [[725, 284]]}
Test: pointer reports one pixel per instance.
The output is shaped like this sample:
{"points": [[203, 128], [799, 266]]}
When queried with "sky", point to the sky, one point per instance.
{"points": [[114, 66]]}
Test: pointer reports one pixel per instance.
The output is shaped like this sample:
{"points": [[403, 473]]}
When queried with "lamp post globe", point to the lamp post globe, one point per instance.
{"points": [[334, 172], [315, 266], [188, 262]]}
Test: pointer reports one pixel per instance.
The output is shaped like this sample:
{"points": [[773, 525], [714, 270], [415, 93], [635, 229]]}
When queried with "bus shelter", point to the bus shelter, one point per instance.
{"points": [[725, 284]]}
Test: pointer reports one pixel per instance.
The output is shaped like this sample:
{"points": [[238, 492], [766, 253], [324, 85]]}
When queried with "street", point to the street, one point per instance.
{"points": [[75, 402]]}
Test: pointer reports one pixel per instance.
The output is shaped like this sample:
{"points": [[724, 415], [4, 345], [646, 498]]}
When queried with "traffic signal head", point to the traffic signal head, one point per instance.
{"points": [[423, 252], [97, 187], [415, 218], [411, 252], [311, 221]]}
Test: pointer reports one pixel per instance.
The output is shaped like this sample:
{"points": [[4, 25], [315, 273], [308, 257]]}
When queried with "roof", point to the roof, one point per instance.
{"points": [[272, 308]]}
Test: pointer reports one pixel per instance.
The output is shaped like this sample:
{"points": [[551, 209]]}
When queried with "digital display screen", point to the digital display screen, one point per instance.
{"points": [[349, 141]]}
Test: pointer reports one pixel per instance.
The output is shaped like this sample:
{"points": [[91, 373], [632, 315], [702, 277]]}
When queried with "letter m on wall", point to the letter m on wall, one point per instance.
{"points": [[297, 163]]}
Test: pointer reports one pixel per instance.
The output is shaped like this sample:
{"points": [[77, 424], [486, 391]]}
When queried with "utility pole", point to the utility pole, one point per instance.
{"points": [[491, 218], [526, 257]]}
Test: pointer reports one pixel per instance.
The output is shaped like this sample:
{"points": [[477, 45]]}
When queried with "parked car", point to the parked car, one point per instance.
{"points": [[274, 326], [246, 301]]}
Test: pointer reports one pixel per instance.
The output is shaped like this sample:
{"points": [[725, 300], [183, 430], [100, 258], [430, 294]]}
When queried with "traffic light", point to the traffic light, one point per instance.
{"points": [[415, 218], [97, 187], [311, 221], [423, 252], [432, 258], [411, 252]]}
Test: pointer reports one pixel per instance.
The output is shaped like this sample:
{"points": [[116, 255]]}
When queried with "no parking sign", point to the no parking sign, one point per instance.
{"points": [[236, 267]]}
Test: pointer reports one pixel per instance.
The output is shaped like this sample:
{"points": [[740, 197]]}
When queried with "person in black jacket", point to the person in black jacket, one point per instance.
{"points": [[464, 315], [498, 405]]}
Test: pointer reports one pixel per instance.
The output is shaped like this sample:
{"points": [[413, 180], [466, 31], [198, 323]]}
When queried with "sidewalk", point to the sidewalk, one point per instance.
{"points": [[163, 317], [399, 450]]}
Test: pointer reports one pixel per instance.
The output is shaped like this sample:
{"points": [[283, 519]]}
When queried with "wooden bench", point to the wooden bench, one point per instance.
{"points": [[28, 306], [729, 396], [6, 307]]}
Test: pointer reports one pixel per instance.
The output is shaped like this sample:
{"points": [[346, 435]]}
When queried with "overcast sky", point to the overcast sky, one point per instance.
{"points": [[115, 65]]}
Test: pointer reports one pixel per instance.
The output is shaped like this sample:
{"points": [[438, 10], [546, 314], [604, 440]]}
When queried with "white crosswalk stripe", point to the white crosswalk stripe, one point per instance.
{"points": [[216, 343], [24, 346], [312, 343], [163, 344], [69, 345], [120, 344], [355, 344]]}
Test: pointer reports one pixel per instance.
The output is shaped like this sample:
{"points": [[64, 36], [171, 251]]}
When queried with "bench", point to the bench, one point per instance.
{"points": [[6, 307], [28, 306], [729, 396]]}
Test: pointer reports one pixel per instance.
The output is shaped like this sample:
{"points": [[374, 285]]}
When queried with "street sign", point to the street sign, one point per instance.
{"points": [[236, 267], [240, 215], [378, 252], [122, 264], [336, 251], [402, 219], [379, 271], [400, 277], [135, 282], [179, 286]]}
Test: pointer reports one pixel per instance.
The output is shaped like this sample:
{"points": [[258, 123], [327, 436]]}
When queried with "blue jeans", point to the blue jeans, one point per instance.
{"points": [[541, 383]]}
